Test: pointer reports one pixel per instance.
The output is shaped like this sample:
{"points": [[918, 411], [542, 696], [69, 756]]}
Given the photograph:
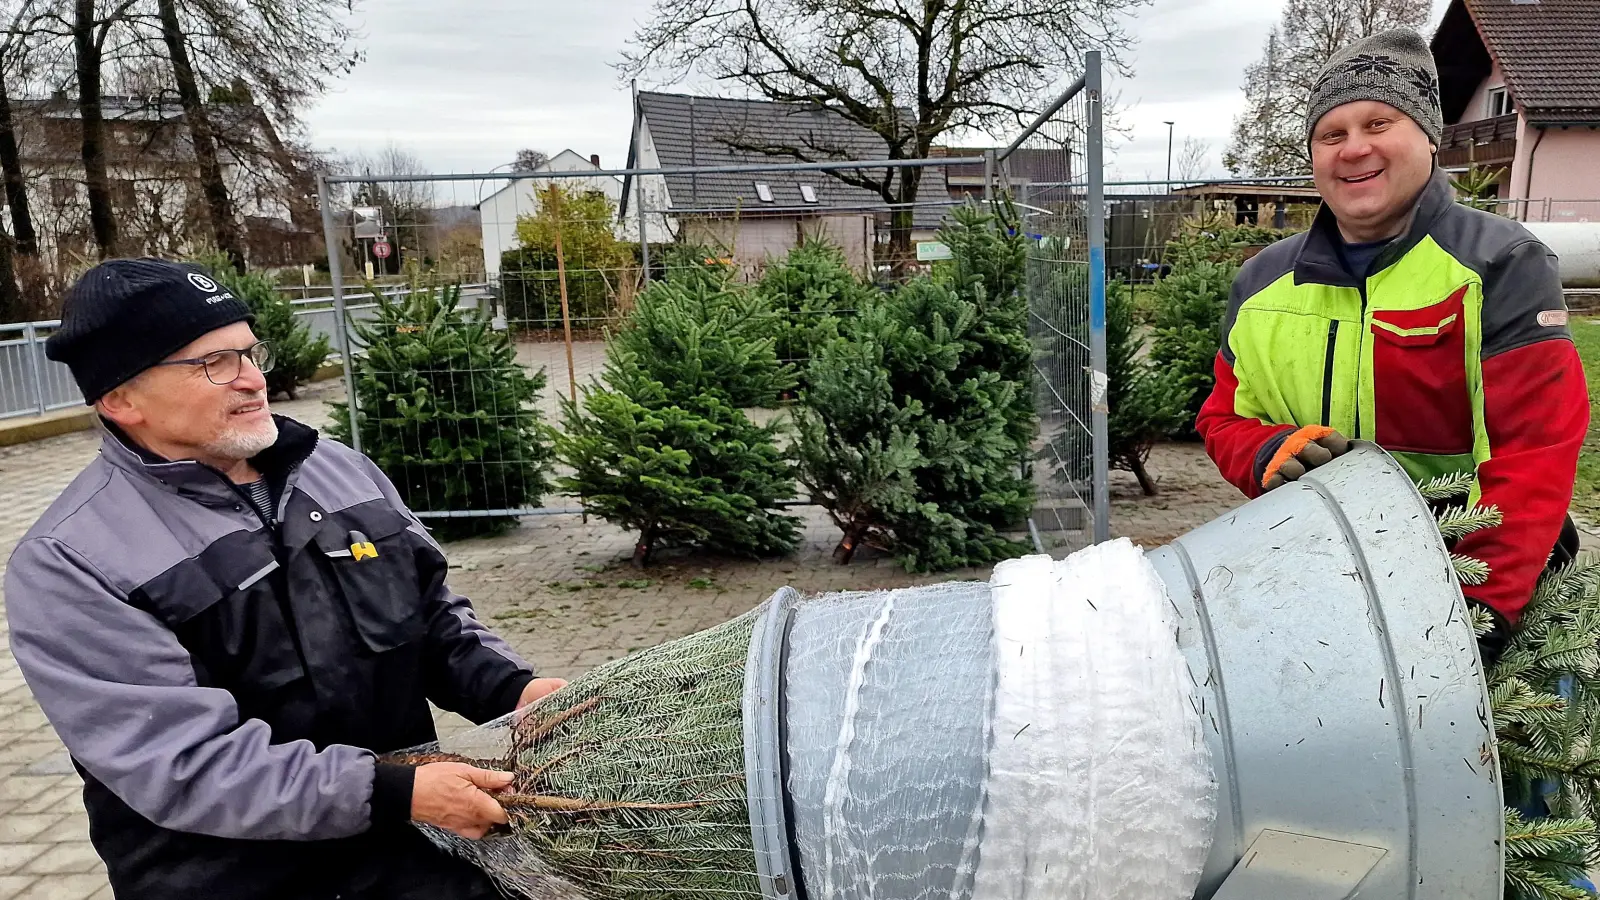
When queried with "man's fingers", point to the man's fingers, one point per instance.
{"points": [[1291, 470], [1336, 444], [490, 811], [487, 779], [1314, 455]]}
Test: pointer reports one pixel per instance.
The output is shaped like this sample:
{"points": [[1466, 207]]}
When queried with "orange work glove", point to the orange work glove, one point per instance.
{"points": [[1302, 451]]}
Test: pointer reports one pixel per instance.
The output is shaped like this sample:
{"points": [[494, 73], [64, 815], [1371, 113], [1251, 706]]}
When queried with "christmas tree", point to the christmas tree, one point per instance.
{"points": [[1544, 693], [908, 442], [811, 289], [661, 447], [447, 412], [1146, 401]]}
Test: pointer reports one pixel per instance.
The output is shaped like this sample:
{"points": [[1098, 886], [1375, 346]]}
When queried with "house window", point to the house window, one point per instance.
{"points": [[808, 193], [764, 191], [1499, 102]]}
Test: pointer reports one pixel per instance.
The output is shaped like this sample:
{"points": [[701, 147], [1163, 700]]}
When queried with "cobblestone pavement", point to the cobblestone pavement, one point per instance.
{"points": [[558, 588]]}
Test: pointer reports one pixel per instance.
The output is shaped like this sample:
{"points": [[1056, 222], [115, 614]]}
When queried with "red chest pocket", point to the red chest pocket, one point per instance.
{"points": [[1419, 378]]}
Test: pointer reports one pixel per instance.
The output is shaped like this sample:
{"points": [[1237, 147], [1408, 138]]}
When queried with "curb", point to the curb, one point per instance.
{"points": [[52, 424]]}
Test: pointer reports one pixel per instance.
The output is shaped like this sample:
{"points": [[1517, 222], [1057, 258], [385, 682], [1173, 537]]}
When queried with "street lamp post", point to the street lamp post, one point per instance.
{"points": [[1169, 156]]}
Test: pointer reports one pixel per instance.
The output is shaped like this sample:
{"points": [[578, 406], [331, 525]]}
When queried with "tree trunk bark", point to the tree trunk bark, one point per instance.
{"points": [[846, 550], [24, 258], [1145, 484], [102, 217], [902, 221], [11, 305], [219, 206]]}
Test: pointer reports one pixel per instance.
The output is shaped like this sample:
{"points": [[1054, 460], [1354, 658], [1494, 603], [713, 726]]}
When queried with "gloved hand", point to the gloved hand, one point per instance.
{"points": [[1492, 643], [1300, 452]]}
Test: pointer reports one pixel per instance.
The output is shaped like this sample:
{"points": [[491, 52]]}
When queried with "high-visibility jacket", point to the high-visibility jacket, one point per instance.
{"points": [[1453, 354]]}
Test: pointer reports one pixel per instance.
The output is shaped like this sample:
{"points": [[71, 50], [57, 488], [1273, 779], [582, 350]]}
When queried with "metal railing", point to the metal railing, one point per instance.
{"points": [[30, 384]]}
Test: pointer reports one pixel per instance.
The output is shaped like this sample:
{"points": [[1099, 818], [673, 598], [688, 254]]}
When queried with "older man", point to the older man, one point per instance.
{"points": [[1405, 318], [224, 617]]}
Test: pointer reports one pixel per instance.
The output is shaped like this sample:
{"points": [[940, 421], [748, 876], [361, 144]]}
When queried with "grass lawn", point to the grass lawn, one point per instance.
{"points": [[1586, 493]]}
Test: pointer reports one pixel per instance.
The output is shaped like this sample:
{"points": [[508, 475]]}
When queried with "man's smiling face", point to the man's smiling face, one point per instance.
{"points": [[1370, 161]]}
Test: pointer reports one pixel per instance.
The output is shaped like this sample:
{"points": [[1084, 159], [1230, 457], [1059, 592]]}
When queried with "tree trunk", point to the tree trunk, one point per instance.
{"points": [[846, 550], [902, 220], [218, 205], [11, 305], [102, 218], [24, 258], [1136, 464]]}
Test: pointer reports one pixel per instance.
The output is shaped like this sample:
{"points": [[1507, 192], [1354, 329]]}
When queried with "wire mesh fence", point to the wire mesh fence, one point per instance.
{"points": [[1053, 173]]}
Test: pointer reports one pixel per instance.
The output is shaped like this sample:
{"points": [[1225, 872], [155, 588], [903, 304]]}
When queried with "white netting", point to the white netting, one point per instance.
{"points": [[1100, 783], [1032, 737]]}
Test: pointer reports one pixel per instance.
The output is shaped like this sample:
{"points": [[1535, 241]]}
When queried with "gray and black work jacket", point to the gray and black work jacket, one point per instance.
{"points": [[223, 681]]}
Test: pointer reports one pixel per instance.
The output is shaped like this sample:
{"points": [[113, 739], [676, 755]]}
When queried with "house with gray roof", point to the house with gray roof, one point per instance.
{"points": [[760, 216]]}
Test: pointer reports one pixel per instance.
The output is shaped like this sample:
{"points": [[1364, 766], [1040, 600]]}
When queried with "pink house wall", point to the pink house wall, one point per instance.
{"points": [[1478, 106], [1564, 165]]}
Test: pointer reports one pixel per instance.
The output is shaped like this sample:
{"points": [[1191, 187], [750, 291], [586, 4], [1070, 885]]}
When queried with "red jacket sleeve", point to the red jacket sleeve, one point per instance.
{"points": [[1234, 442], [1536, 410]]}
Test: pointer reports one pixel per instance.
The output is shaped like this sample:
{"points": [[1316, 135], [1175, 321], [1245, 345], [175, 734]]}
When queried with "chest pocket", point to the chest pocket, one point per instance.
{"points": [[1421, 395], [225, 609], [373, 557]]}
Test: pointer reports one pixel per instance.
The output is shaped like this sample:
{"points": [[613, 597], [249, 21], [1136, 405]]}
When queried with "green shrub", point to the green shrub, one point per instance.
{"points": [[447, 412], [810, 289], [1147, 401], [596, 262]]}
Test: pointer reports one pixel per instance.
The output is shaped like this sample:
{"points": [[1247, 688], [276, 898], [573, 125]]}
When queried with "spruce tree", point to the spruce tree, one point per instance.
{"points": [[1188, 329], [810, 289], [447, 412], [910, 444], [1146, 402], [661, 446]]}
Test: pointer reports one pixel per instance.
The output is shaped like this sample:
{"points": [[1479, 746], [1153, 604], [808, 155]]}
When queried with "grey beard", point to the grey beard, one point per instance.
{"points": [[244, 442]]}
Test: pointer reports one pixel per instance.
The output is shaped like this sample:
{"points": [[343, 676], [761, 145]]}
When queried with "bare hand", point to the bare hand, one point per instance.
{"points": [[451, 796], [538, 689]]}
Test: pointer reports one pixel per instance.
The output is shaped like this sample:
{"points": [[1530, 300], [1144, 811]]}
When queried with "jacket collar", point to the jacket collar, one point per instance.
{"points": [[1318, 261], [199, 481]]}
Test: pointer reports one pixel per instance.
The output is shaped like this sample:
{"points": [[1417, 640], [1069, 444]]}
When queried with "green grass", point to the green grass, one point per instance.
{"points": [[1586, 493]]}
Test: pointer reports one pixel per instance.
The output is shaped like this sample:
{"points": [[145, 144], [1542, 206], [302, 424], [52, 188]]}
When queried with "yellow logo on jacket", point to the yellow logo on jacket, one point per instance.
{"points": [[360, 547]]}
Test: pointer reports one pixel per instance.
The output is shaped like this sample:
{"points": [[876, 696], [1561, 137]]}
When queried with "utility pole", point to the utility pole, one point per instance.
{"points": [[1169, 156]]}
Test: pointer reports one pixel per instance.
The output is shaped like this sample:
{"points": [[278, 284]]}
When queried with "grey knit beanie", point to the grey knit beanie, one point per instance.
{"points": [[1394, 67]]}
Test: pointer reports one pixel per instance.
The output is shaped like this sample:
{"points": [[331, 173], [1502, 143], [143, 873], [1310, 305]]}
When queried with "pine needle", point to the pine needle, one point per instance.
{"points": [[1447, 487], [1469, 571], [1457, 522]]}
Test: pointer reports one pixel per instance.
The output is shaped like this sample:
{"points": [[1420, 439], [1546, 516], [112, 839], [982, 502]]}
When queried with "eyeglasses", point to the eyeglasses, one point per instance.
{"points": [[223, 366]]}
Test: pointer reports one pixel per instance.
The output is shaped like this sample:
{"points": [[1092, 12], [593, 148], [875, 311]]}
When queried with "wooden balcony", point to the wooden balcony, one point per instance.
{"points": [[1486, 142]]}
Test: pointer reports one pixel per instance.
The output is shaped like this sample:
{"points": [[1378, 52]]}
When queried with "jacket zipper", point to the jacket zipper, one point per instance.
{"points": [[1327, 372], [1361, 336]]}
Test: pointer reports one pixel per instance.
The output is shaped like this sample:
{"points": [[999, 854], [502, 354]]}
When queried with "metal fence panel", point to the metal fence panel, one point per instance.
{"points": [[1054, 173]]}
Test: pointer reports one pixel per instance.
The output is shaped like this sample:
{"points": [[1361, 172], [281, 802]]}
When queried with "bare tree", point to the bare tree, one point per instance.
{"points": [[90, 27], [1269, 138], [907, 73], [1193, 161], [406, 206], [528, 159], [21, 251]]}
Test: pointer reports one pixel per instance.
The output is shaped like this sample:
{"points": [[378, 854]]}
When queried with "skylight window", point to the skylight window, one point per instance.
{"points": [[764, 191], [808, 193]]}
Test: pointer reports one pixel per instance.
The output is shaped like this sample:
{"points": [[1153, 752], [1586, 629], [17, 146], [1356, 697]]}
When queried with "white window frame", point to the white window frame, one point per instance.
{"points": [[1498, 102], [764, 192]]}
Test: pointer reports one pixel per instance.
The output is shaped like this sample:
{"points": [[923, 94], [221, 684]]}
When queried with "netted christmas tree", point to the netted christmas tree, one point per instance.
{"points": [[446, 411], [662, 447], [1544, 692]]}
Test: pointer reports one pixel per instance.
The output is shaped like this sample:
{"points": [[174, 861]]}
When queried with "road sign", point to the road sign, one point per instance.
{"points": [[381, 250], [932, 250]]}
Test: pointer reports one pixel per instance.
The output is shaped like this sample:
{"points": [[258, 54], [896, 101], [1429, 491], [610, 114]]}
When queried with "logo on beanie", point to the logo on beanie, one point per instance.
{"points": [[202, 282]]}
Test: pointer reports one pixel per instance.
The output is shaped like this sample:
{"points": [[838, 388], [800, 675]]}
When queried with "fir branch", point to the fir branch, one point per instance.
{"points": [[1457, 522], [1469, 571], [1447, 487]]}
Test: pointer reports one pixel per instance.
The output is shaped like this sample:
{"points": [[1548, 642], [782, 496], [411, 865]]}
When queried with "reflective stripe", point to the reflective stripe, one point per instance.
{"points": [[264, 572], [1419, 330], [338, 553]]}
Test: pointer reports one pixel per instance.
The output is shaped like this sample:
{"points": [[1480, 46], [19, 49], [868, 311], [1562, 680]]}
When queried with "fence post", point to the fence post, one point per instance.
{"points": [[340, 324], [638, 187], [1098, 384], [30, 336]]}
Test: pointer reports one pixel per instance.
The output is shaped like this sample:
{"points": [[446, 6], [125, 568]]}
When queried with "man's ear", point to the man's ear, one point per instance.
{"points": [[121, 405]]}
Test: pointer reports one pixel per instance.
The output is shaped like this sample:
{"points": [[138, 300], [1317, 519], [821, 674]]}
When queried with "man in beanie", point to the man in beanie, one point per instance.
{"points": [[1405, 318], [226, 618]]}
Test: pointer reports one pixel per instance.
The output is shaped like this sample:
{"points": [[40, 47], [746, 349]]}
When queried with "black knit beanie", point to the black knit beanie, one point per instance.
{"points": [[125, 315]]}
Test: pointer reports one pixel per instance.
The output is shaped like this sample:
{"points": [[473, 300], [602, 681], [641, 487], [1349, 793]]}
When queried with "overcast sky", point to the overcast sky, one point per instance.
{"points": [[464, 84]]}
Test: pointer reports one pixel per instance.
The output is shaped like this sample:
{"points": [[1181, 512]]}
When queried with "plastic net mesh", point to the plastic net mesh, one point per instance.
{"points": [[629, 782]]}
